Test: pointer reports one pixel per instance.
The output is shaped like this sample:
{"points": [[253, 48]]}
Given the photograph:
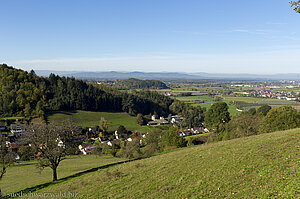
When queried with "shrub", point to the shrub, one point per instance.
{"points": [[25, 153]]}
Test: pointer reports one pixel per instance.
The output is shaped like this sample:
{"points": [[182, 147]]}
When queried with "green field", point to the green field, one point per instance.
{"points": [[262, 100], [89, 119], [263, 166], [26, 174], [195, 100], [208, 101]]}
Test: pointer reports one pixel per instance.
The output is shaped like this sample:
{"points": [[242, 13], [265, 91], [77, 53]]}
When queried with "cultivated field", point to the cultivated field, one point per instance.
{"points": [[262, 100], [206, 101], [263, 166], [89, 119]]}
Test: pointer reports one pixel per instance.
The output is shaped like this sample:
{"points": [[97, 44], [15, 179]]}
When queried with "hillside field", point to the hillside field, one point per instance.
{"points": [[26, 174], [263, 166], [89, 119]]}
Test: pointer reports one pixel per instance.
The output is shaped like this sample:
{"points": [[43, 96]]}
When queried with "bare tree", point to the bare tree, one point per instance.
{"points": [[51, 144], [6, 158]]}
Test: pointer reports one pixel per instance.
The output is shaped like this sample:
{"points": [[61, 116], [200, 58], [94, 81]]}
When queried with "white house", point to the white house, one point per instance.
{"points": [[291, 98]]}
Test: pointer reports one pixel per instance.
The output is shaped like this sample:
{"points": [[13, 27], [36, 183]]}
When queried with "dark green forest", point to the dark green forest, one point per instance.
{"points": [[26, 94]]}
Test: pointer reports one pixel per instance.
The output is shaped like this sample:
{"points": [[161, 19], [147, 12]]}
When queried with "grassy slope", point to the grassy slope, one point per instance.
{"points": [[25, 174], [253, 167], [89, 118]]}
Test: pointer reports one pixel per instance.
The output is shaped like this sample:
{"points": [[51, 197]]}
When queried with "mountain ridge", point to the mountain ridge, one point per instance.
{"points": [[115, 75]]}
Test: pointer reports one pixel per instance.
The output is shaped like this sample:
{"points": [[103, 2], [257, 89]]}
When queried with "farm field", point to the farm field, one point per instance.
{"points": [[262, 100], [196, 100], [89, 118], [25, 174], [208, 101], [263, 166]]}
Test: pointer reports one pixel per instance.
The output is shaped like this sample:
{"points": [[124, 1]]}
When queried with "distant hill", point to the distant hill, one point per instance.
{"points": [[262, 166], [133, 83], [115, 75]]}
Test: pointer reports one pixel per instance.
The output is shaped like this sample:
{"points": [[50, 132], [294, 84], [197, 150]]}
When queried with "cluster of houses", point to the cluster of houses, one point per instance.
{"points": [[194, 131], [161, 120], [115, 139], [88, 136], [12, 133], [287, 95]]}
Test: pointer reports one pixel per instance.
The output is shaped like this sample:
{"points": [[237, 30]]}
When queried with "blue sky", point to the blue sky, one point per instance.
{"points": [[232, 36]]}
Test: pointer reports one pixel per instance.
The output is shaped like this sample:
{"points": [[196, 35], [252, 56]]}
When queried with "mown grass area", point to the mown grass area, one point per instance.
{"points": [[263, 166], [26, 174], [89, 119]]}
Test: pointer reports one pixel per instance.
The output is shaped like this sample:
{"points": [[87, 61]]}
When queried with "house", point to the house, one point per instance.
{"points": [[110, 143], [291, 98], [136, 136], [197, 130], [17, 128], [158, 122], [176, 119], [185, 133], [85, 150]]}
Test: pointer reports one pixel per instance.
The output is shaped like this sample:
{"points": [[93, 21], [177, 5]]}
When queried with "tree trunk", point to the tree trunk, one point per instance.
{"points": [[54, 174]]}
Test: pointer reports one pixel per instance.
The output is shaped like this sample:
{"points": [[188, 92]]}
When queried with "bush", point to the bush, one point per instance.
{"points": [[242, 126], [130, 150], [172, 138], [281, 118], [152, 143], [25, 153]]}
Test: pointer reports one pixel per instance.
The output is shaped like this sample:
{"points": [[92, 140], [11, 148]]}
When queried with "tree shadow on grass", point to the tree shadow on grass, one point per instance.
{"points": [[60, 112], [44, 185]]}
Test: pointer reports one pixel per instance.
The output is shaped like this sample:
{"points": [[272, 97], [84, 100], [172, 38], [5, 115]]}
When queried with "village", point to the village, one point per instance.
{"points": [[86, 137], [286, 95]]}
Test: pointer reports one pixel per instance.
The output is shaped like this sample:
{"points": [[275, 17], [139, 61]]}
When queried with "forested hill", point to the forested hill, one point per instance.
{"points": [[26, 94], [133, 83]]}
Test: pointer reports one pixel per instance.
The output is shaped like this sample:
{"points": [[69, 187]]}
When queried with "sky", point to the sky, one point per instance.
{"points": [[214, 36]]}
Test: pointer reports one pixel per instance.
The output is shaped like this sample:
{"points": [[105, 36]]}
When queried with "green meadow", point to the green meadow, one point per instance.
{"points": [[262, 100], [89, 119], [263, 166], [197, 100], [26, 174]]}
